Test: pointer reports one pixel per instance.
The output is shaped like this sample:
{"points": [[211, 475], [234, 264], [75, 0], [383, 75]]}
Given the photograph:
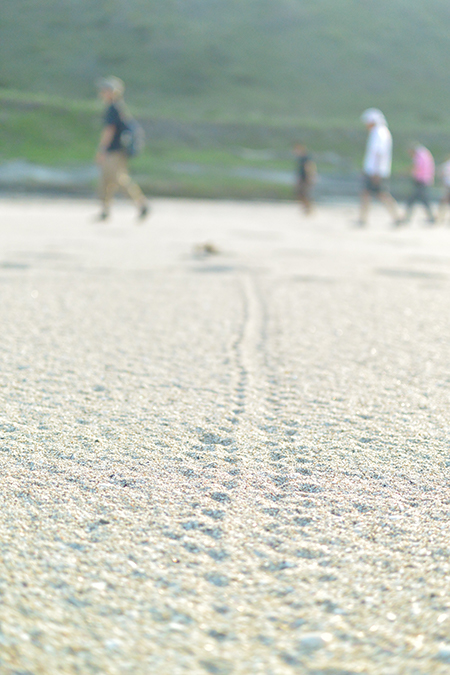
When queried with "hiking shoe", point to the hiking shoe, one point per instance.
{"points": [[104, 215], [143, 212]]}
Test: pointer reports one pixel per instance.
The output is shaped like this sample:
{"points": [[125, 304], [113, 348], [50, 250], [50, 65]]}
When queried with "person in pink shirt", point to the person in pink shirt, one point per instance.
{"points": [[422, 174]]}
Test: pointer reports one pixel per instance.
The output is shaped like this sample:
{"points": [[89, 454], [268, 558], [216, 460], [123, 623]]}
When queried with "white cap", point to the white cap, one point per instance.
{"points": [[114, 84], [373, 116]]}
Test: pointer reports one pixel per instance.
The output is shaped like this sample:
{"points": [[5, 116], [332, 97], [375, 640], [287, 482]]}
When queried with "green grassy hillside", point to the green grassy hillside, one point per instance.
{"points": [[249, 60]]}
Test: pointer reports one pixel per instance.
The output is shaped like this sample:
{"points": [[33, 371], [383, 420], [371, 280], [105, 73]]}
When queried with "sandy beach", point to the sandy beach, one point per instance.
{"points": [[234, 464]]}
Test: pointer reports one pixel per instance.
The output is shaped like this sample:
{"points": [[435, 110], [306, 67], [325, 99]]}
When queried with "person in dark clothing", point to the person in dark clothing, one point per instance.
{"points": [[306, 176], [422, 174], [111, 155]]}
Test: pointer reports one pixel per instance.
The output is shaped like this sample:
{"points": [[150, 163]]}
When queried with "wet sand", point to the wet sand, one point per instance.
{"points": [[233, 464]]}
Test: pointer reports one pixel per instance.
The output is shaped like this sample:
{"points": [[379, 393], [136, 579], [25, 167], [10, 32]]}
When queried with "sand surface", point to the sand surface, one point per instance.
{"points": [[234, 464]]}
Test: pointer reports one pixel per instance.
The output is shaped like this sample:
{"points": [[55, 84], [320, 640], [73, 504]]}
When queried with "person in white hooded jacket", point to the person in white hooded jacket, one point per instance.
{"points": [[377, 165]]}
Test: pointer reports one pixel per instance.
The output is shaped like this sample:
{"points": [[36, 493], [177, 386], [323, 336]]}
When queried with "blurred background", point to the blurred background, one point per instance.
{"points": [[223, 88]]}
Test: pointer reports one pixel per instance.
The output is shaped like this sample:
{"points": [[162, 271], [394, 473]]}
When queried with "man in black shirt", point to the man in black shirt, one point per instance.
{"points": [[306, 176], [111, 154]]}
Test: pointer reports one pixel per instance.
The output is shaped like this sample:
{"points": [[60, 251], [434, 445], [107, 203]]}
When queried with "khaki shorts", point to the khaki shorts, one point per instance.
{"points": [[115, 176]]}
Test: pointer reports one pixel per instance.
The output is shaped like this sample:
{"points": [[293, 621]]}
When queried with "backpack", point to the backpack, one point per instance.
{"points": [[132, 138]]}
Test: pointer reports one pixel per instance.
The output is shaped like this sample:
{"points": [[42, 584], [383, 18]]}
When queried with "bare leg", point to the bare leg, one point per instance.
{"points": [[307, 205], [128, 186], [132, 189], [389, 202], [304, 197], [108, 185], [364, 206]]}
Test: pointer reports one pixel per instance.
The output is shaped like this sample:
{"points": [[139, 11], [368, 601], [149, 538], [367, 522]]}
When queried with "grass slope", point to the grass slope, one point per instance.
{"points": [[260, 61]]}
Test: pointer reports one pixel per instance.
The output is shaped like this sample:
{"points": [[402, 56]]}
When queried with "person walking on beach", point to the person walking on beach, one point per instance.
{"points": [[112, 156], [377, 165], [306, 176], [444, 173], [422, 174]]}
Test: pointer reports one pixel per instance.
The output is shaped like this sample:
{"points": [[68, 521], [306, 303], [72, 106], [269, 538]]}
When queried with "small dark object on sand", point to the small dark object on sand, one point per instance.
{"points": [[203, 250]]}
